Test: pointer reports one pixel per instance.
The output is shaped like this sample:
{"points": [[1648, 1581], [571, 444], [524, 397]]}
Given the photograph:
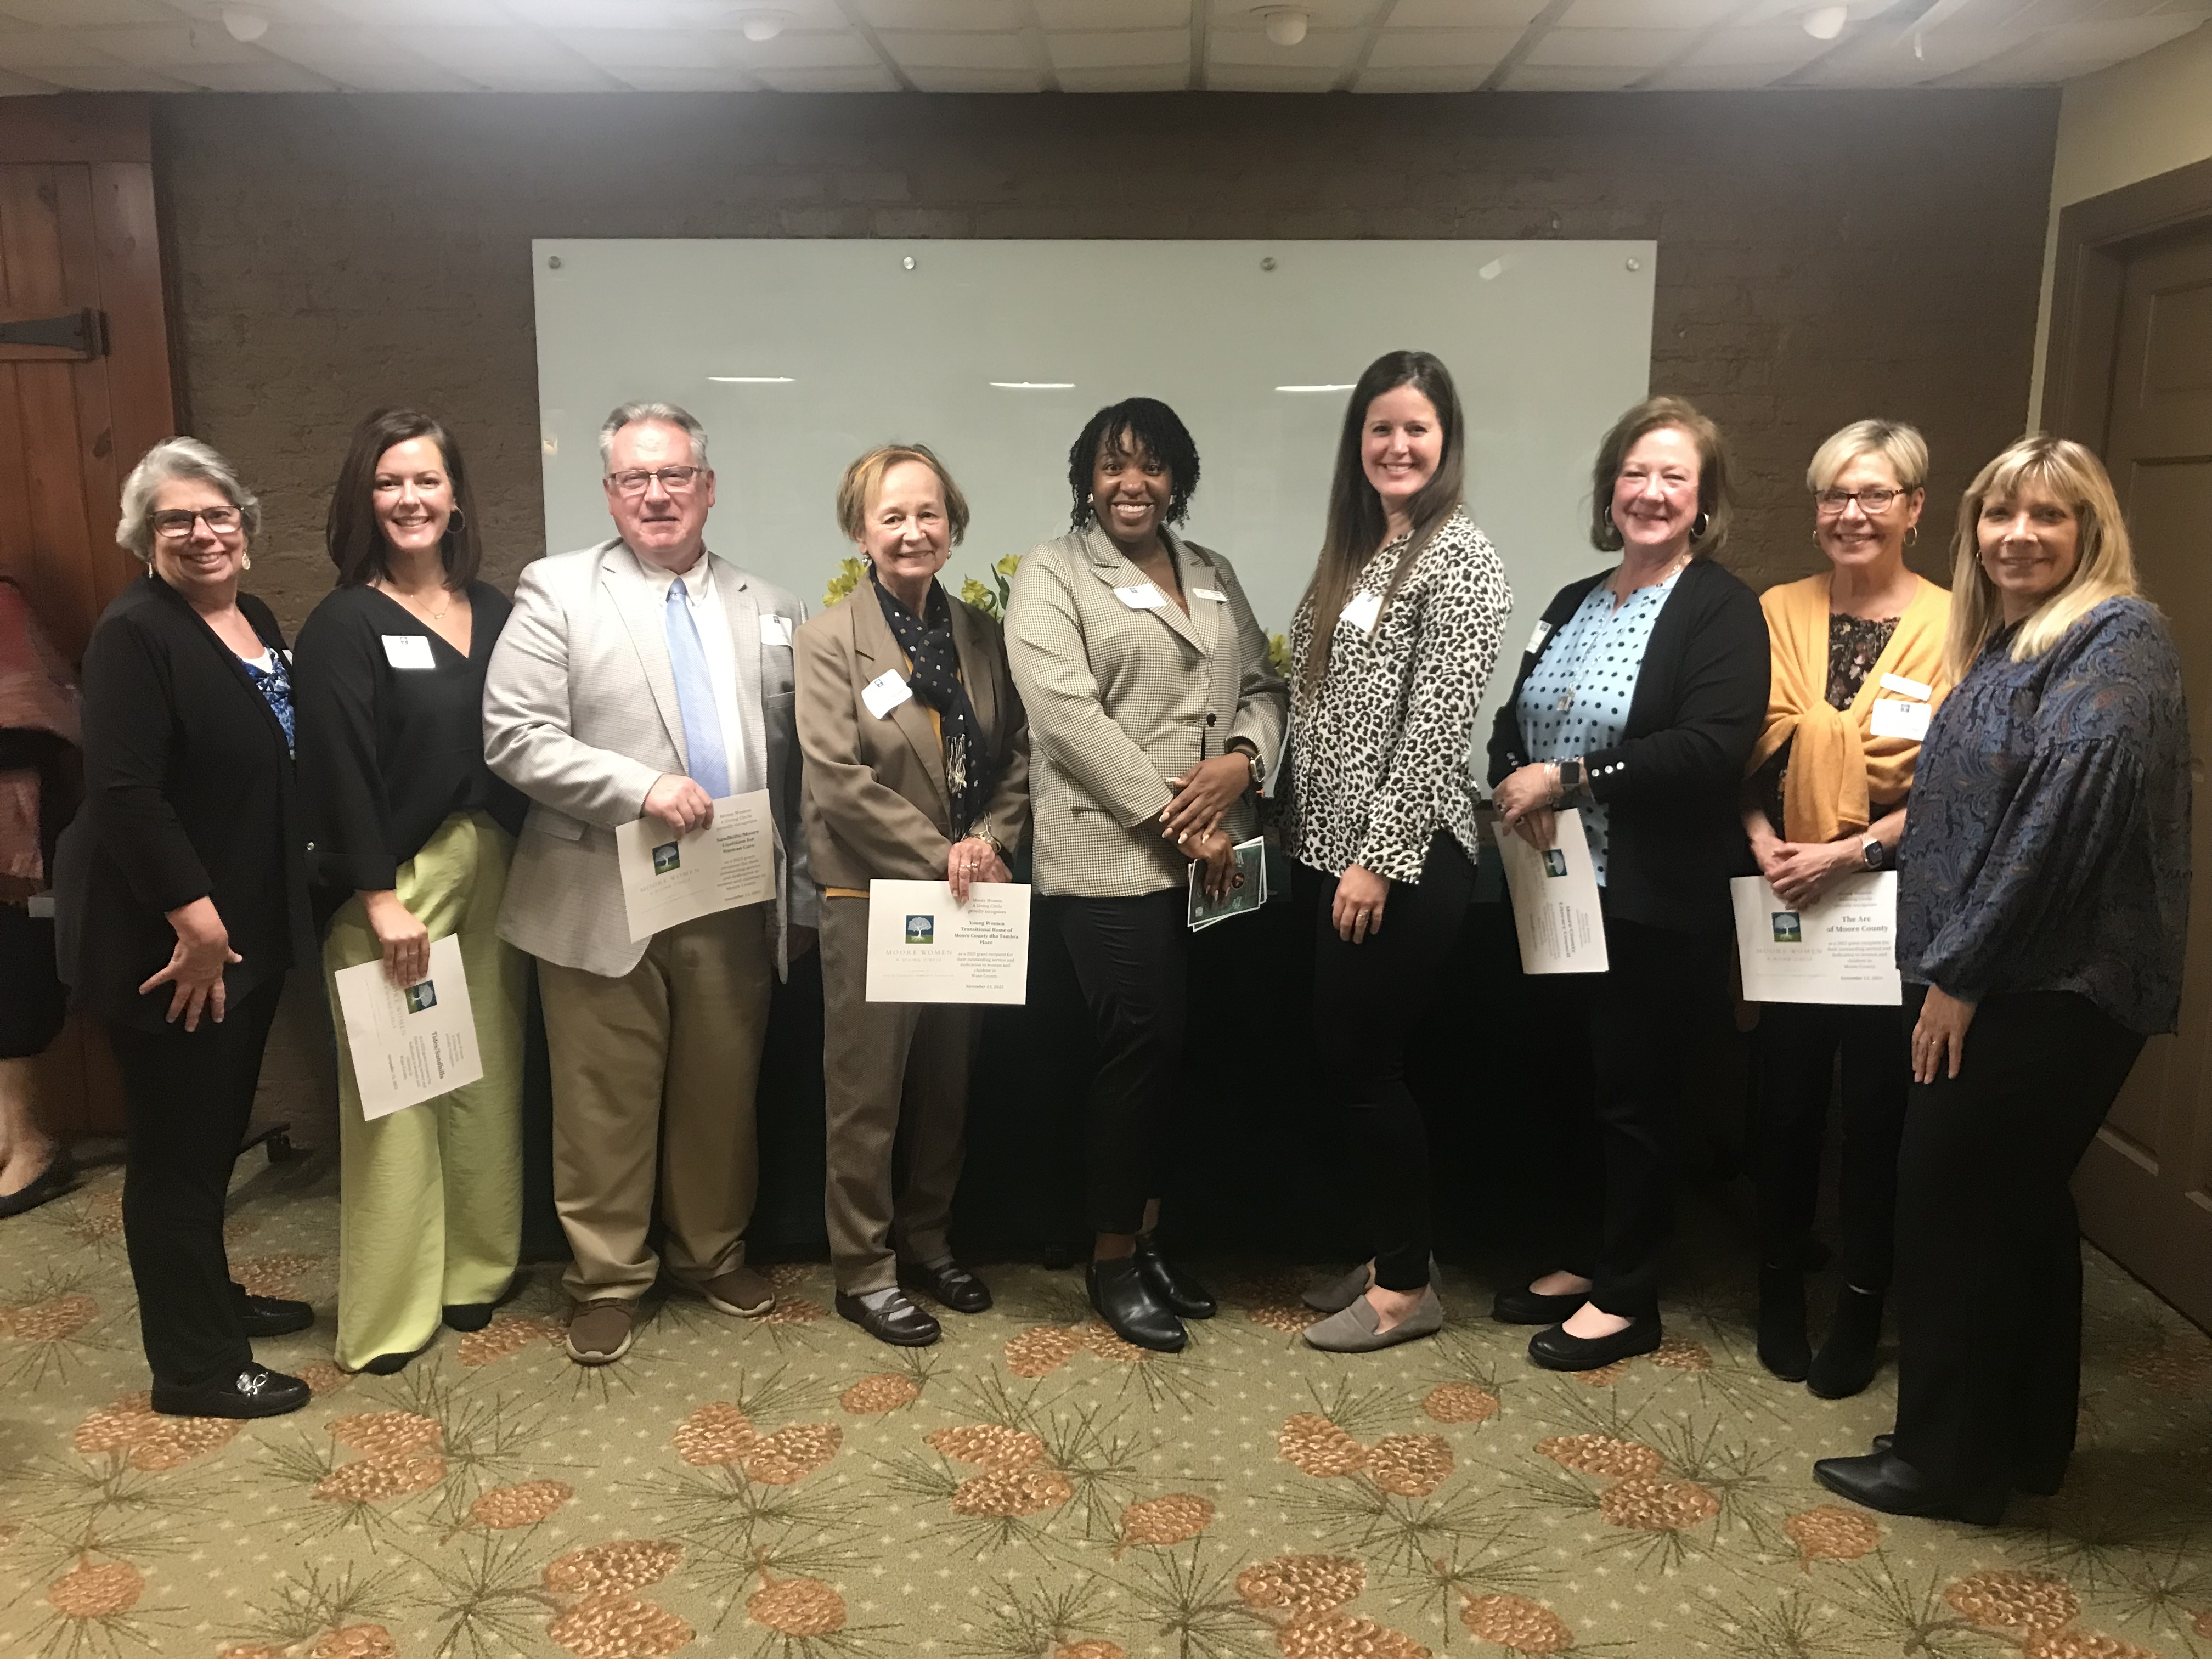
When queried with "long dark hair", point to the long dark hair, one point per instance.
{"points": [[1356, 524], [351, 533], [1145, 423]]}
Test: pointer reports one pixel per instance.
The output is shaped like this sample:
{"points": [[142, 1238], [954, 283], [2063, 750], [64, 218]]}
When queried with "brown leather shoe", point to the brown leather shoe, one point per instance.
{"points": [[741, 1291], [599, 1332]]}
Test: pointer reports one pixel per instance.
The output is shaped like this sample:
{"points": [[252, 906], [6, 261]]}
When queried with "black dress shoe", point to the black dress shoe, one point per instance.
{"points": [[899, 1323], [1883, 1480], [272, 1315], [49, 1184], [1557, 1351], [949, 1284], [254, 1391], [1784, 1348], [2035, 1485], [1523, 1306], [1846, 1361], [1185, 1295], [1125, 1300], [475, 1315], [390, 1365]]}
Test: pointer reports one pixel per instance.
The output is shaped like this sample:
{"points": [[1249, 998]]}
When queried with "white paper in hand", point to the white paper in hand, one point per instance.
{"points": [[1555, 900], [923, 947], [669, 878], [410, 1044], [1841, 948]]}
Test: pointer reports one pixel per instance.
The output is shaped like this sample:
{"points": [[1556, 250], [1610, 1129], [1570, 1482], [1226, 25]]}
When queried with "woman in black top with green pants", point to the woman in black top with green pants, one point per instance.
{"points": [[406, 819]]}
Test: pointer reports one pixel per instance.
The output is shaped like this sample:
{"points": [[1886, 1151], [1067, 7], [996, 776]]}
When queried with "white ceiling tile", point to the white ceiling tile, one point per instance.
{"points": [[1125, 49], [421, 14], [1132, 77], [1638, 48], [123, 77], [367, 60], [38, 49], [1112, 13], [961, 52], [1320, 13], [1756, 44], [1465, 77], [1321, 49], [1440, 48], [21, 85], [510, 59], [269, 75], [83, 14], [169, 45], [871, 76], [643, 49], [944, 14], [607, 14], [946, 78], [1716, 77], [723, 78], [1248, 77], [1465, 14], [807, 49], [1569, 77], [1646, 13], [2072, 49]]}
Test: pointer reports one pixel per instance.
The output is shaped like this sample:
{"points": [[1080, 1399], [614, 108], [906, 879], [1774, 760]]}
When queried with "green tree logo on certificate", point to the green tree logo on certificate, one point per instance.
{"points": [[421, 996], [921, 930], [1555, 863], [665, 858], [1787, 928]]}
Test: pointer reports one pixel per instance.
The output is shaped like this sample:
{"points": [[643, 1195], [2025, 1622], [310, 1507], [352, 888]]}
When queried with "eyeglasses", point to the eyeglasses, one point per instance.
{"points": [[1871, 502], [676, 480], [176, 524]]}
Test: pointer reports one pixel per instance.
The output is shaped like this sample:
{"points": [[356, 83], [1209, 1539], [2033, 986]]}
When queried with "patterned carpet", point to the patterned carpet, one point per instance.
{"points": [[1032, 1488]]}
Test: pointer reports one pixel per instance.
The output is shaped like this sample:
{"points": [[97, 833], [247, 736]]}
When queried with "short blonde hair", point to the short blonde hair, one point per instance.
{"points": [[865, 477], [165, 463], [2104, 569], [1714, 506], [1900, 445]]}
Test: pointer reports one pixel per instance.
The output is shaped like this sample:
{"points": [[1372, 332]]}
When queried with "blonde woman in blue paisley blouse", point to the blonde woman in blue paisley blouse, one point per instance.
{"points": [[1391, 648]]}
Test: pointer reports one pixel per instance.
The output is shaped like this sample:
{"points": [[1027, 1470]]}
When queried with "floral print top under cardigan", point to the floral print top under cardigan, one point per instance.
{"points": [[1379, 761], [2048, 844]]}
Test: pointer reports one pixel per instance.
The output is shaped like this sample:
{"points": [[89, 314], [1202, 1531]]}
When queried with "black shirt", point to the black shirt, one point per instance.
{"points": [[387, 754]]}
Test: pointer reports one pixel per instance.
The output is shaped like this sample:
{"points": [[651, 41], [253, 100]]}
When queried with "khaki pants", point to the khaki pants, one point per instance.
{"points": [[896, 1088], [656, 1071]]}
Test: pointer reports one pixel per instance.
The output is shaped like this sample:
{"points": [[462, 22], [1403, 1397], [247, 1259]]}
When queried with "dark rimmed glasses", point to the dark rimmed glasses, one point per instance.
{"points": [[175, 525], [1872, 503], [637, 480]]}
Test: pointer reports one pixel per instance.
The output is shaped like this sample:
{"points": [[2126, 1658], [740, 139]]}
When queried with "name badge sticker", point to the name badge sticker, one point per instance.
{"points": [[1361, 611], [1143, 597], [1536, 640], [1904, 687], [1208, 593], [775, 630], [407, 651], [1893, 717], [885, 692]]}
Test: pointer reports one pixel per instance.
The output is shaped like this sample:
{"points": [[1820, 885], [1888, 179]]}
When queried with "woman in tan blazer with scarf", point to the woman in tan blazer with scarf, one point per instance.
{"points": [[1156, 714], [917, 769]]}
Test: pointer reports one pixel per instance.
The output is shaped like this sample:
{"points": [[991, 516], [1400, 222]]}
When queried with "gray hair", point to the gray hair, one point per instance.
{"points": [[631, 414], [165, 463]]}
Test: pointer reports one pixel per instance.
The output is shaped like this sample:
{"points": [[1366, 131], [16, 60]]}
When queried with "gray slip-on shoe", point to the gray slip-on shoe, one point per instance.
{"points": [[1354, 1329], [1330, 1296]]}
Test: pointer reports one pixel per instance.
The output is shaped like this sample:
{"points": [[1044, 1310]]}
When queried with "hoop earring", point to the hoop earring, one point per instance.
{"points": [[456, 520], [1698, 529], [1912, 535]]}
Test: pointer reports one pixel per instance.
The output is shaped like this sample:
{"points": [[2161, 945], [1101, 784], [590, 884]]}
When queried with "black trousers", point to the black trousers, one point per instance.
{"points": [[1798, 1043], [1132, 957], [188, 1096], [1612, 1148], [1989, 1247], [1367, 999]]}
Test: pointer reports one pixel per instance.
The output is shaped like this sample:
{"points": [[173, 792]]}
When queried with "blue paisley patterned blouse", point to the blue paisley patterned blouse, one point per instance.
{"points": [[2048, 844]]}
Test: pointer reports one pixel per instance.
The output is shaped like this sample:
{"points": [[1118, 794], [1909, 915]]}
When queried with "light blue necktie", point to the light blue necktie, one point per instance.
{"points": [[695, 698]]}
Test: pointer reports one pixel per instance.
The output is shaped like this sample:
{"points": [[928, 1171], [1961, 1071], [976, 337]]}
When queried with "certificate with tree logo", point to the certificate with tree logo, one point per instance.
{"points": [[409, 1043], [1840, 948], [925, 947], [1555, 902], [668, 879]]}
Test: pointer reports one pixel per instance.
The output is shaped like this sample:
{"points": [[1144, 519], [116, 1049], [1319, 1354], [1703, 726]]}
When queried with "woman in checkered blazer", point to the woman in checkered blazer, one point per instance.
{"points": [[1154, 716]]}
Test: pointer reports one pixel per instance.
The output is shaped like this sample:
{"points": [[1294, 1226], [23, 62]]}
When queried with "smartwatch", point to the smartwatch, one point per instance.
{"points": [[1571, 778]]}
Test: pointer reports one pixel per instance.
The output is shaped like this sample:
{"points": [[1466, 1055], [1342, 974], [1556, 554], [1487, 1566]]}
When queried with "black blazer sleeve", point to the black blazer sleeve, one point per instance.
{"points": [[128, 734], [334, 685]]}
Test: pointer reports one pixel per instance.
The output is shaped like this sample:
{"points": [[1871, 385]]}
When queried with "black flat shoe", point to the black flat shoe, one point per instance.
{"points": [[1188, 1297], [2035, 1485], [1125, 1300], [49, 1184], [1523, 1306], [390, 1365], [1784, 1347], [1557, 1351], [1882, 1481], [900, 1324], [255, 1391], [272, 1315], [952, 1286], [1847, 1358]]}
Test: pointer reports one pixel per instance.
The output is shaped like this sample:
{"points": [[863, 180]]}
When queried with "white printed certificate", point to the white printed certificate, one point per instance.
{"points": [[1841, 948], [922, 947], [1555, 902], [413, 1043], [668, 879]]}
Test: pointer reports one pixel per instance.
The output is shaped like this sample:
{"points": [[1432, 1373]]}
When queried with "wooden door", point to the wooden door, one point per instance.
{"points": [[80, 264], [2146, 1187]]}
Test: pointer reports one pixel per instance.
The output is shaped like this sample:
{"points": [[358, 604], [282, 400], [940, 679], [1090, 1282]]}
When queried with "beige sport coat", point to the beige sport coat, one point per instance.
{"points": [[876, 802], [1120, 699]]}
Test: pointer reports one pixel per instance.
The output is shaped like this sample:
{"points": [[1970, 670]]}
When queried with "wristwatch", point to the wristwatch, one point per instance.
{"points": [[1571, 778], [1251, 753], [1873, 854]]}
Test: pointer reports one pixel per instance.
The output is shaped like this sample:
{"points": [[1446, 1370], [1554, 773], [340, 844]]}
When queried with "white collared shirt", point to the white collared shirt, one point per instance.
{"points": [[705, 602]]}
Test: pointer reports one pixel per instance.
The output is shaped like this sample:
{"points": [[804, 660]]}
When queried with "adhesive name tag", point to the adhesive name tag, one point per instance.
{"points": [[1905, 688], [1893, 717], [407, 651], [1361, 611], [885, 692], [1143, 597], [1536, 640], [1208, 593], [776, 630]]}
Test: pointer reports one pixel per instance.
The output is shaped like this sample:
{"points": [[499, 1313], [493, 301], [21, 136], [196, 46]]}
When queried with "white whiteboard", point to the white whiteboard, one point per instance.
{"points": [[827, 346]]}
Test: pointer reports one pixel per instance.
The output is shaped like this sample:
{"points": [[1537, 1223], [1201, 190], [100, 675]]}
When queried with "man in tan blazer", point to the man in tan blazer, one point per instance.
{"points": [[887, 797], [646, 676]]}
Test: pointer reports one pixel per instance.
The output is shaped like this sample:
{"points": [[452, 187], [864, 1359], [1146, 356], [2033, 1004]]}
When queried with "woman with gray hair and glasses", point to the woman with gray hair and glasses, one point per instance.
{"points": [[183, 901]]}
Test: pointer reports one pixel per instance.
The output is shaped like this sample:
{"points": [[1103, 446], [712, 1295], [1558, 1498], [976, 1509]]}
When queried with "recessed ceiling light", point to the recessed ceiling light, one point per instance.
{"points": [[1286, 24], [1825, 22], [245, 23], [761, 25]]}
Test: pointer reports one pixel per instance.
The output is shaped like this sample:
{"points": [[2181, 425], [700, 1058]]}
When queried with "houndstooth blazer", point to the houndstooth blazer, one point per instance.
{"points": [[1120, 700], [581, 715]]}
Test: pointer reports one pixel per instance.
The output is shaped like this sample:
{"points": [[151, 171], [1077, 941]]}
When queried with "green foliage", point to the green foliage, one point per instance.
{"points": [[850, 574]]}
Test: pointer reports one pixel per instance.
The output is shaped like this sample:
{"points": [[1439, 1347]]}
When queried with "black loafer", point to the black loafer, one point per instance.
{"points": [[1125, 1300], [952, 1286], [49, 1184], [2034, 1483], [272, 1315], [1882, 1481], [900, 1324], [1523, 1306], [254, 1391], [1188, 1297], [1557, 1351]]}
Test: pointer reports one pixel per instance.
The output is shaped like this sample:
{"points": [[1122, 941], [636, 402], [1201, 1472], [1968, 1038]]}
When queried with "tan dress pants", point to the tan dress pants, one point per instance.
{"points": [[656, 1071], [895, 1095]]}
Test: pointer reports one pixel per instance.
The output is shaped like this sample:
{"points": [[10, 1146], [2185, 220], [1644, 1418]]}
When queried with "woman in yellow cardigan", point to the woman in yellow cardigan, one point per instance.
{"points": [[1858, 670]]}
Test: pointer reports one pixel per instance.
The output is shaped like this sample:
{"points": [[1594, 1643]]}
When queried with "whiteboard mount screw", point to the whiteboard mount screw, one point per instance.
{"points": [[907, 262], [1636, 264], [1267, 264], [553, 262]]}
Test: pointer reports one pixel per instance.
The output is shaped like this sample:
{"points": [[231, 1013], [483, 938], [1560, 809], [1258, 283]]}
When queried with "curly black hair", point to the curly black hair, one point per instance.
{"points": [[1144, 423]]}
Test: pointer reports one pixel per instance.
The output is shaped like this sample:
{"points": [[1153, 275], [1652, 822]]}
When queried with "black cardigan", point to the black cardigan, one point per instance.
{"points": [[188, 794], [1671, 786]]}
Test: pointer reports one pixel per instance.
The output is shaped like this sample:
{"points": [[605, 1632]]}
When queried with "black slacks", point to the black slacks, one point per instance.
{"points": [[1132, 957], [1367, 999], [1798, 1043], [188, 1096], [1989, 1247]]}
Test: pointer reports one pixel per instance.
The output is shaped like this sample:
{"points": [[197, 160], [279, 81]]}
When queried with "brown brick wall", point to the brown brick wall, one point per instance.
{"points": [[1821, 256]]}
